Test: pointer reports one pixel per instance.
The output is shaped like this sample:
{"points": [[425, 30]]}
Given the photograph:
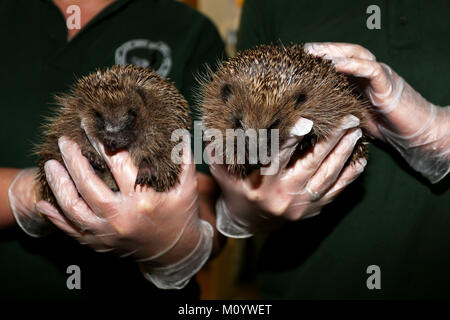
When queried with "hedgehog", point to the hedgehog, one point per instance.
{"points": [[271, 87], [123, 107]]}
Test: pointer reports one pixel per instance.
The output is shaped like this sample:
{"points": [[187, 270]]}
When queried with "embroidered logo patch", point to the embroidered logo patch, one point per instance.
{"points": [[146, 53]]}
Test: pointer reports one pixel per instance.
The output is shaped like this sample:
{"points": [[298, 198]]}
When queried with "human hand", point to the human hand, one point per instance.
{"points": [[293, 193], [22, 201], [161, 231], [419, 130]]}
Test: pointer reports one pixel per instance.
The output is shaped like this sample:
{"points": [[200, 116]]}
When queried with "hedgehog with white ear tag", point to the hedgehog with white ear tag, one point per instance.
{"points": [[272, 87]]}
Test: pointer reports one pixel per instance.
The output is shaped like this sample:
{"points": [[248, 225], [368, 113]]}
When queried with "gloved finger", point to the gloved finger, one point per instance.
{"points": [[347, 176], [330, 50], [301, 128], [379, 74], [95, 243], [56, 218], [188, 172], [386, 87], [120, 164], [280, 160], [302, 210], [302, 207], [310, 215], [275, 170], [188, 182], [306, 166], [331, 167], [74, 207], [372, 127], [93, 190], [223, 178]]}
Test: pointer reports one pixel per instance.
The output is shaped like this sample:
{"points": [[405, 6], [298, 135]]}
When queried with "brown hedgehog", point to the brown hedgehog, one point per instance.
{"points": [[124, 107], [271, 87]]}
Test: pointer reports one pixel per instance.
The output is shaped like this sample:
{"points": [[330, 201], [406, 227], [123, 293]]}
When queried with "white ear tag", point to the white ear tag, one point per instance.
{"points": [[302, 127]]}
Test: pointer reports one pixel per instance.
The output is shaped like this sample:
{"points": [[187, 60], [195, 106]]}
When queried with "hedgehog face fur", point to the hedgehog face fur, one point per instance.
{"points": [[114, 123], [124, 107], [271, 87]]}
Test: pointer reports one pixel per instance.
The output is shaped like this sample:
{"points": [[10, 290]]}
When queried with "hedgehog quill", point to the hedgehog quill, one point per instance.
{"points": [[271, 87], [124, 107]]}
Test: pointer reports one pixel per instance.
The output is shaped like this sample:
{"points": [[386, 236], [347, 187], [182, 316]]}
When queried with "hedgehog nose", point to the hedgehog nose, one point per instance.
{"points": [[116, 137], [114, 142]]}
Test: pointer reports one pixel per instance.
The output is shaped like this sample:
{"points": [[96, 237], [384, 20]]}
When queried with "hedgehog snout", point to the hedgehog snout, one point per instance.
{"points": [[117, 140], [118, 135], [256, 149]]}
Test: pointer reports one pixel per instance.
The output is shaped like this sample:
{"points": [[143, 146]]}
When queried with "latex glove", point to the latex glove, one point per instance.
{"points": [[418, 129], [161, 231], [22, 200], [292, 193]]}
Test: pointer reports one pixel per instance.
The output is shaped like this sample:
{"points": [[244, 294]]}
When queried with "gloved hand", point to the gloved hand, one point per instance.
{"points": [[418, 129], [292, 193], [22, 200], [161, 231]]}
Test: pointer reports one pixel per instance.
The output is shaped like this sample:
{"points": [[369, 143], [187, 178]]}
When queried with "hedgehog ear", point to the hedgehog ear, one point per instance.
{"points": [[226, 92], [140, 91], [300, 99]]}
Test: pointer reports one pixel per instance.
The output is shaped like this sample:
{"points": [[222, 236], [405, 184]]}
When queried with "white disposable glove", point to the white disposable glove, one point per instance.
{"points": [[292, 193], [161, 231], [418, 129], [22, 200]]}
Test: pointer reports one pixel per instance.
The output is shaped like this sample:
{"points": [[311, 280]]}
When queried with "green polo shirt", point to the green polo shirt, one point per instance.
{"points": [[38, 62], [390, 217]]}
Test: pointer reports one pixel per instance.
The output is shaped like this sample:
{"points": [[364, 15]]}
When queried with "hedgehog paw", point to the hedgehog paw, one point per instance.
{"points": [[160, 180], [146, 175], [95, 160]]}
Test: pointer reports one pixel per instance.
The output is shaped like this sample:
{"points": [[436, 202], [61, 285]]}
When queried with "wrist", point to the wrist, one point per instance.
{"points": [[183, 244], [411, 116], [229, 224], [425, 148], [174, 269], [22, 195]]}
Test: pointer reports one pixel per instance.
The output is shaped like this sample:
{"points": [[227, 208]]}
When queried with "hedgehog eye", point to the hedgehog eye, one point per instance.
{"points": [[274, 125], [98, 115], [238, 123], [131, 117], [226, 92], [132, 114], [300, 99], [99, 121]]}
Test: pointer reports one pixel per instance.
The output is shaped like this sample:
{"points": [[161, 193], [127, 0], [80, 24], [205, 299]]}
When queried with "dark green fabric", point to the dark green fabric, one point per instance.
{"points": [[37, 62], [390, 217]]}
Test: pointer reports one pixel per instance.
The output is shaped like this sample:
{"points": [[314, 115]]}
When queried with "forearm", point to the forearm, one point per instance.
{"points": [[444, 128], [420, 131], [413, 116], [436, 137], [6, 177]]}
